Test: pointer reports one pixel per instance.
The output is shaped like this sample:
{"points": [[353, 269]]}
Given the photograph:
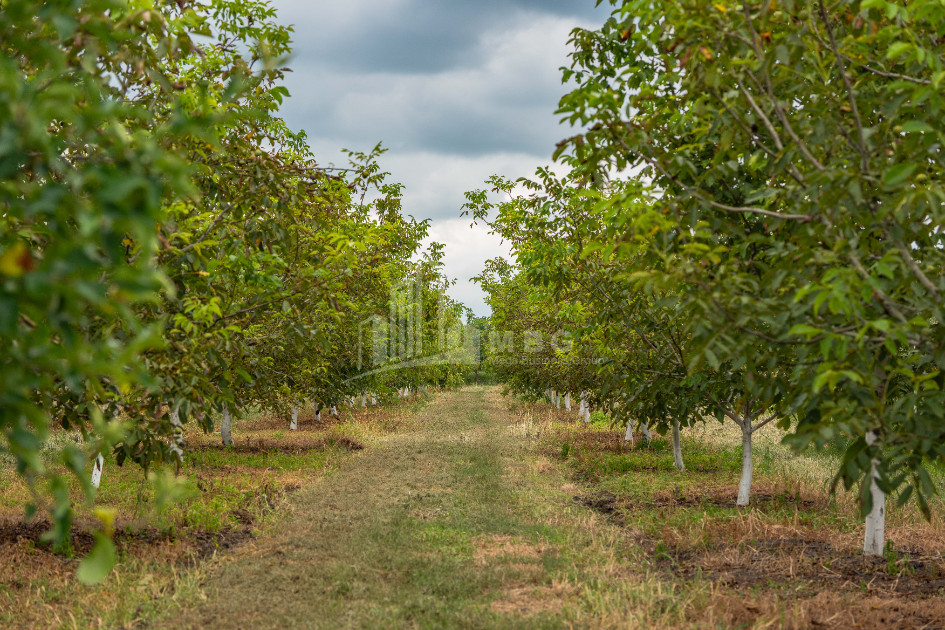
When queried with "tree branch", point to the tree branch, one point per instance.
{"points": [[864, 156]]}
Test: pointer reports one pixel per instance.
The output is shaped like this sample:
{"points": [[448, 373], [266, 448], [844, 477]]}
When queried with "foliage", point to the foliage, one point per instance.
{"points": [[794, 150], [170, 249]]}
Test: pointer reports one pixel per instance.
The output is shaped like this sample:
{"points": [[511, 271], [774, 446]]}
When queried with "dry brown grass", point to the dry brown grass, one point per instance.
{"points": [[529, 600]]}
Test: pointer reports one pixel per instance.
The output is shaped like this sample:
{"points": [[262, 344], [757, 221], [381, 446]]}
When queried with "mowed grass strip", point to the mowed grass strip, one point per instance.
{"points": [[227, 496]]}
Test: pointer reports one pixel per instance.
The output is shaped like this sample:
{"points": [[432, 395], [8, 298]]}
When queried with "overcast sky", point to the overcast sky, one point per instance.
{"points": [[457, 90]]}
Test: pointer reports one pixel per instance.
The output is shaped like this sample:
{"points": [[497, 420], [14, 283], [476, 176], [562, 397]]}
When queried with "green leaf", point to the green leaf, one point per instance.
{"points": [[96, 566], [914, 126], [898, 173], [898, 49]]}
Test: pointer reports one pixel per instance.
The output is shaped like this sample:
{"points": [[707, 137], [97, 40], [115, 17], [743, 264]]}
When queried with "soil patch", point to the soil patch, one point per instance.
{"points": [[264, 445], [804, 564], [763, 501], [201, 543]]}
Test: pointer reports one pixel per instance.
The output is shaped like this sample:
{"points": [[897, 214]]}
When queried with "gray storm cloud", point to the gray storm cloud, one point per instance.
{"points": [[457, 90]]}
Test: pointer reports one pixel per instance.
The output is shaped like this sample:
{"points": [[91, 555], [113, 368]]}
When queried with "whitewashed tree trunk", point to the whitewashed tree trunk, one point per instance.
{"points": [[294, 425], [645, 430], [628, 436], [334, 411], [177, 446], [874, 541], [318, 413], [744, 484], [373, 400], [97, 471], [558, 400], [226, 427], [363, 399], [567, 402], [677, 448]]}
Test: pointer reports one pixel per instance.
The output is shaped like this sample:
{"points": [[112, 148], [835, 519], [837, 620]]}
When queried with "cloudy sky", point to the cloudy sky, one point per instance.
{"points": [[457, 90]]}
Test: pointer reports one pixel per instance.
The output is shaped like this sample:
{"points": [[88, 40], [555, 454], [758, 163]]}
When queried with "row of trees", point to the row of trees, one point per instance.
{"points": [[170, 251], [751, 229]]}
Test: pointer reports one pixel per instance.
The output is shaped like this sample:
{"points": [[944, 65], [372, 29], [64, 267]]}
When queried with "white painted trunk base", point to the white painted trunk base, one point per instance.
{"points": [[645, 430], [364, 400], [97, 471], [294, 424], [744, 484], [677, 448], [334, 411], [226, 427], [874, 541], [567, 402], [628, 436], [177, 446]]}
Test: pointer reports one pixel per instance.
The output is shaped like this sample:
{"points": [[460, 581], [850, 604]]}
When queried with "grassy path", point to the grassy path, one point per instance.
{"points": [[453, 524]]}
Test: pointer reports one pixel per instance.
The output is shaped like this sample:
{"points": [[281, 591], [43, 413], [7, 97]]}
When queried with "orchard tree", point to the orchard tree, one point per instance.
{"points": [[82, 193], [794, 147]]}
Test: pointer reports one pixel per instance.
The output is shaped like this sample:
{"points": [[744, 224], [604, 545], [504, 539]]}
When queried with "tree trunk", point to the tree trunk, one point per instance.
{"points": [[677, 448], [628, 436], [645, 430], [874, 542], [558, 400], [294, 425], [567, 402], [177, 446], [334, 411], [97, 471], [744, 484], [363, 399], [226, 425]]}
